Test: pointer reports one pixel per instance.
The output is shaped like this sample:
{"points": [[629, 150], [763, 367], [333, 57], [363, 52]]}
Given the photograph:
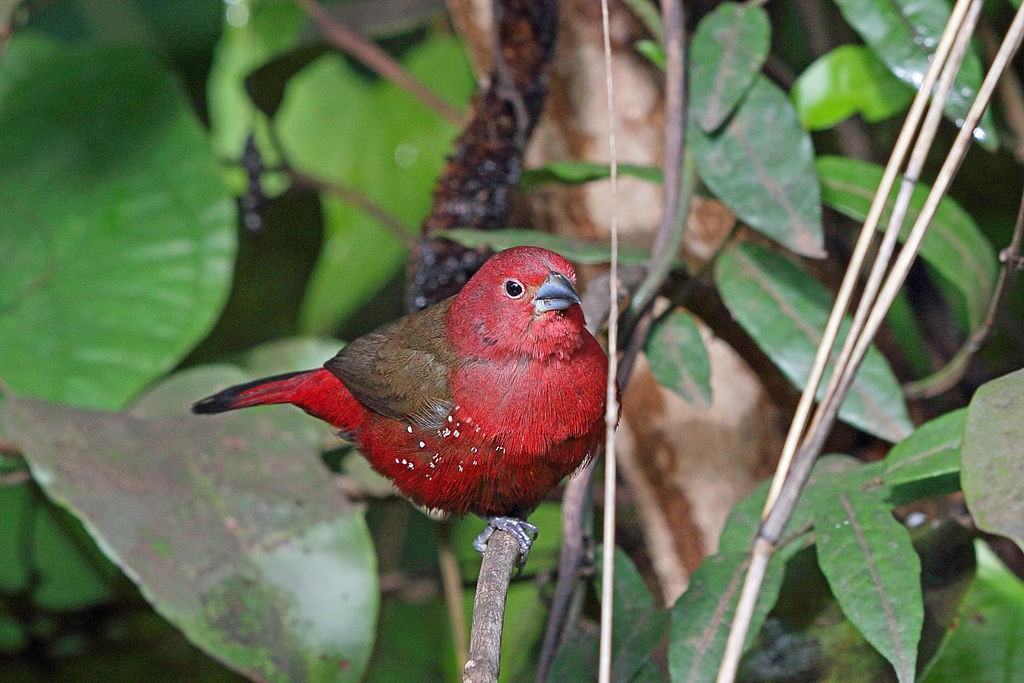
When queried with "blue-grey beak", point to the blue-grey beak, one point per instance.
{"points": [[556, 294]]}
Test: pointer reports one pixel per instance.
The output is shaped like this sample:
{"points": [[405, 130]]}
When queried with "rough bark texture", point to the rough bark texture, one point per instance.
{"points": [[496, 571]]}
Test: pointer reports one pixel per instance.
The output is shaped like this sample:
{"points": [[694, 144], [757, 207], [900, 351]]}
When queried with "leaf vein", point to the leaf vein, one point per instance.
{"points": [[890, 616]]}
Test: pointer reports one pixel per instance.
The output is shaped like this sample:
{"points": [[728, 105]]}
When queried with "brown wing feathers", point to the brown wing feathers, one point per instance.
{"points": [[402, 370]]}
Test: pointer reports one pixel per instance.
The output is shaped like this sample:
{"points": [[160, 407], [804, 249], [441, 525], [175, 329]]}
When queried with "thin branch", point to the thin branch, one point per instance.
{"points": [[1009, 92], [611, 415], [679, 173], [679, 183], [950, 376], [860, 254], [496, 571], [795, 466], [575, 514], [351, 43]]}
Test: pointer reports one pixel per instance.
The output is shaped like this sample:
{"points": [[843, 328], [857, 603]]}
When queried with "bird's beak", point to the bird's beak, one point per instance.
{"points": [[555, 294]]}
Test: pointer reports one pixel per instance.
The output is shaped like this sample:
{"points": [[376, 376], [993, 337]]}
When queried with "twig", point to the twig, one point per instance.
{"points": [[1009, 92], [793, 471], [350, 42], [451, 582], [575, 509], [678, 175], [611, 415], [496, 571], [953, 372]]}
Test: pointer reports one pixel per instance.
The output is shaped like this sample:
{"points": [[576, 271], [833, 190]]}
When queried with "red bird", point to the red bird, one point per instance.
{"points": [[481, 403]]}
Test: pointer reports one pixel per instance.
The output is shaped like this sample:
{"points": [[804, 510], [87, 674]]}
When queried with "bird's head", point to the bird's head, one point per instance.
{"points": [[522, 302]]}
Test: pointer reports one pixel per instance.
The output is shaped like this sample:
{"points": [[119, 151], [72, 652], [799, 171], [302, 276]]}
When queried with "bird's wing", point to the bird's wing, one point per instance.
{"points": [[401, 370]]}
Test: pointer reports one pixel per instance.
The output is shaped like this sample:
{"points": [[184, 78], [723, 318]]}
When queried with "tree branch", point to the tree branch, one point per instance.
{"points": [[496, 571], [351, 43], [954, 371]]}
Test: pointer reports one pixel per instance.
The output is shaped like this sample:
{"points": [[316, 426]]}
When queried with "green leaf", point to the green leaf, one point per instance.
{"points": [[579, 172], [761, 164], [653, 51], [72, 573], [638, 626], [701, 617], [578, 251], [376, 139], [117, 236], [231, 526], [953, 245], [13, 636], [678, 358], [726, 55], [846, 81], [785, 310], [904, 33], [992, 469], [870, 563], [15, 560], [933, 450], [985, 644], [414, 639]]}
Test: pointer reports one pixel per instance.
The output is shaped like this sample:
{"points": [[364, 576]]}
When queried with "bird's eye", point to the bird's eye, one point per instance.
{"points": [[514, 288]]}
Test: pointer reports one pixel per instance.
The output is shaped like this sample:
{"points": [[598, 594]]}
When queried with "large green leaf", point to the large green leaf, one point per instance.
{"points": [[870, 563], [678, 358], [785, 310], [231, 526], [761, 164], [726, 55], [117, 235], [985, 644], [992, 467], [376, 139], [45, 554], [904, 33], [702, 615], [701, 618], [846, 81], [954, 245]]}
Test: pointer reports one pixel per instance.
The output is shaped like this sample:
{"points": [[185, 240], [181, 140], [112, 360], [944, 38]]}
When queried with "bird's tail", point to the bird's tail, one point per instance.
{"points": [[318, 392]]}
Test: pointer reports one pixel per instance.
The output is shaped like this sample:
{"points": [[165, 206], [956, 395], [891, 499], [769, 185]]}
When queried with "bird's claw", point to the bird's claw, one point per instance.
{"points": [[519, 529]]}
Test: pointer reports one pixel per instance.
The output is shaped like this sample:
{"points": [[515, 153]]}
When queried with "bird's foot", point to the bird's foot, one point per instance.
{"points": [[519, 529]]}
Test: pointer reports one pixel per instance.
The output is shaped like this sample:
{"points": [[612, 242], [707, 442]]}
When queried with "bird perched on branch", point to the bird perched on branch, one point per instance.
{"points": [[481, 403]]}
